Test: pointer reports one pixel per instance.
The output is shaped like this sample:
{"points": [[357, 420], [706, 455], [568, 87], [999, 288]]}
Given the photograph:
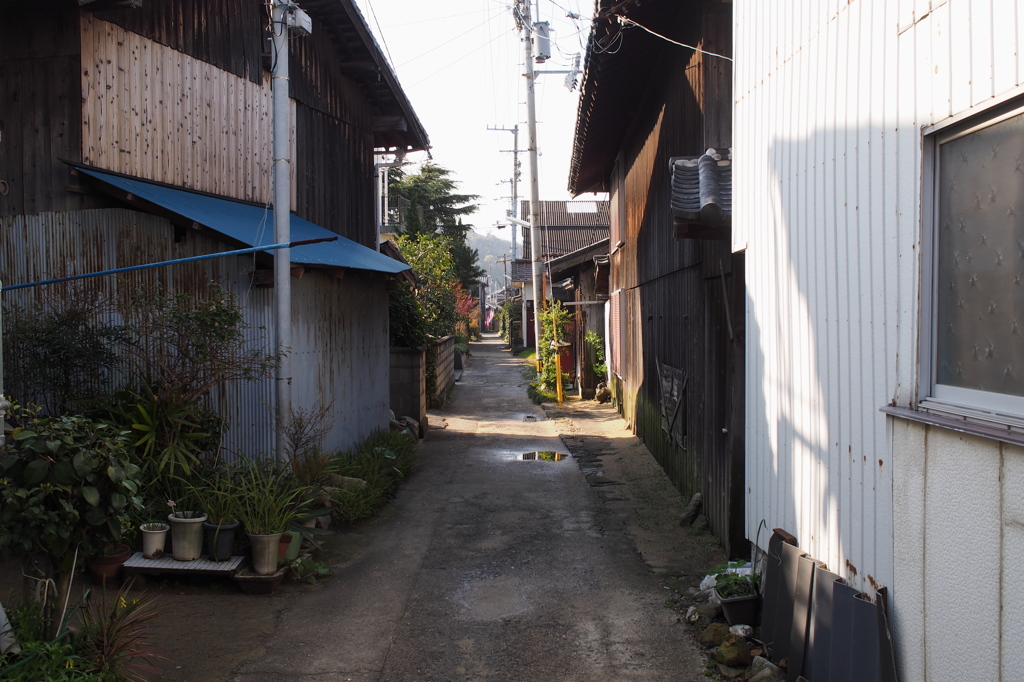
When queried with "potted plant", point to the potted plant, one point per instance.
{"points": [[268, 501], [154, 539], [218, 498], [739, 596], [186, 533], [107, 564]]}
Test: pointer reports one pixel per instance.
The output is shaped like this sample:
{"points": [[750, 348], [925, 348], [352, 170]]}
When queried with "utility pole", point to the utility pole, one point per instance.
{"points": [[522, 14], [515, 176], [285, 17], [282, 227]]}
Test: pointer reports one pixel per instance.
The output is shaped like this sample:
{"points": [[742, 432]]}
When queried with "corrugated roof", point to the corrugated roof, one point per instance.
{"points": [[558, 240], [251, 225], [563, 266], [620, 63], [579, 213]]}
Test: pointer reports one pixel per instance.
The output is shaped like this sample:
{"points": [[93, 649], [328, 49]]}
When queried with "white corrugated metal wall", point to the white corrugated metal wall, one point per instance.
{"points": [[831, 98], [831, 102]]}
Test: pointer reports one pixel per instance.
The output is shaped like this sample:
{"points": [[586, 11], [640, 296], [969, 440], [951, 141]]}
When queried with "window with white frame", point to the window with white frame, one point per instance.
{"points": [[975, 359]]}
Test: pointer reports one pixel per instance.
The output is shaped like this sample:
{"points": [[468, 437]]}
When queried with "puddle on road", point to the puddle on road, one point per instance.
{"points": [[545, 456]]}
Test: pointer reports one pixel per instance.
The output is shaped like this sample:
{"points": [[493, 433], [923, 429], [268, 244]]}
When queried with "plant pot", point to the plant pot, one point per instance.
{"points": [[740, 610], [291, 542], [264, 552], [107, 567], [154, 539], [186, 536], [220, 540]]}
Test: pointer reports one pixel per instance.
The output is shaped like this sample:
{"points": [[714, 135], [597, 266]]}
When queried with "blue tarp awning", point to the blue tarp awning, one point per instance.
{"points": [[253, 225]]}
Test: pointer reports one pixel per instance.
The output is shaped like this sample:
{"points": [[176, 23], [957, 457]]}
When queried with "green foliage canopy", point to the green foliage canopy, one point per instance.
{"points": [[430, 256], [434, 204]]}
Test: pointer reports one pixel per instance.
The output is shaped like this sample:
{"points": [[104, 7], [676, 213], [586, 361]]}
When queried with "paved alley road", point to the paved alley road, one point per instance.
{"points": [[488, 567]]}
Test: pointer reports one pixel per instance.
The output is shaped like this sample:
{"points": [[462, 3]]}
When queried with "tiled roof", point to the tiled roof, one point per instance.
{"points": [[522, 271], [702, 187]]}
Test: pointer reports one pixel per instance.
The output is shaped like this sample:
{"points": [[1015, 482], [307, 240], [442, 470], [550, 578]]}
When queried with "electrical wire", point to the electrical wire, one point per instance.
{"points": [[447, 42], [612, 45], [451, 64], [449, 16], [627, 22], [379, 31]]}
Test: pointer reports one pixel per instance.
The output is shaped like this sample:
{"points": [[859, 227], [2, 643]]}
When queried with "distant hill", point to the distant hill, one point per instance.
{"points": [[491, 249]]}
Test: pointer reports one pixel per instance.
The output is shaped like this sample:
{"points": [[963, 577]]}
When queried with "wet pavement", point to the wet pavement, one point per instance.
{"points": [[498, 560]]}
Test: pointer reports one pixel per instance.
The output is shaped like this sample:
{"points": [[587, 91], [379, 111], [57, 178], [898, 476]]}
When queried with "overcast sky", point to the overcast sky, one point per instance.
{"points": [[461, 65]]}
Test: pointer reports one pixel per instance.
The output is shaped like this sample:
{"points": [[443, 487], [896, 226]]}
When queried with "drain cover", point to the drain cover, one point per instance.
{"points": [[545, 456]]}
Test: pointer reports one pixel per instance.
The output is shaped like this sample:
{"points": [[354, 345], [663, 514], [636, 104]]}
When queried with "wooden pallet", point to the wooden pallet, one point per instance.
{"points": [[138, 564]]}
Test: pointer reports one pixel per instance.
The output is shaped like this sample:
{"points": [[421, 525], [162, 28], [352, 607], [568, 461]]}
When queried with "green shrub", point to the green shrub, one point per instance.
{"points": [[538, 394], [382, 460], [67, 487]]}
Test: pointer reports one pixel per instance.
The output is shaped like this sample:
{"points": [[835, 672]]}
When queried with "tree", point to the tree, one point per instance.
{"points": [[430, 256], [434, 208]]}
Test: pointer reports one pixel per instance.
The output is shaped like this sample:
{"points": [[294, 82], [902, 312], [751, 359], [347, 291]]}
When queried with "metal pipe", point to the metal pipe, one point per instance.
{"points": [[282, 225], [130, 268]]}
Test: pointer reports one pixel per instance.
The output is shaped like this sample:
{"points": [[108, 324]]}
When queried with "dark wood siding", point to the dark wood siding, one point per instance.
{"points": [[334, 175], [683, 305], [226, 33], [40, 109]]}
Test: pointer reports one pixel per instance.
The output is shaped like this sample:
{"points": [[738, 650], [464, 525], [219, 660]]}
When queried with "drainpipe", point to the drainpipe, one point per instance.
{"points": [[282, 226]]}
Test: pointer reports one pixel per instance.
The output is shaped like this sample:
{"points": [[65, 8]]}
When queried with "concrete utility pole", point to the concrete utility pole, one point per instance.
{"points": [[285, 16], [523, 16], [282, 226], [515, 176]]}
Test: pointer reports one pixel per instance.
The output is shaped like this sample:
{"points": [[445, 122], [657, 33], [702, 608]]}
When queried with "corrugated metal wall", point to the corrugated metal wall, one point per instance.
{"points": [[831, 99], [340, 326]]}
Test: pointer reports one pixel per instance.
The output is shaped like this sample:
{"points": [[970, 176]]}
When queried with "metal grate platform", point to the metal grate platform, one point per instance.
{"points": [[139, 564]]}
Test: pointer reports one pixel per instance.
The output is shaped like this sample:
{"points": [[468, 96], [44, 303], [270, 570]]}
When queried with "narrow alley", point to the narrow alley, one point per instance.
{"points": [[485, 566]]}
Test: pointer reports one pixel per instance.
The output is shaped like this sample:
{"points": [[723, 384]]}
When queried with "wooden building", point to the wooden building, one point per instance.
{"points": [[565, 227], [676, 313], [139, 132]]}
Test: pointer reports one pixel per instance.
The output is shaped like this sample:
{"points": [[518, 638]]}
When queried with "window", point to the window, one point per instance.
{"points": [[975, 361]]}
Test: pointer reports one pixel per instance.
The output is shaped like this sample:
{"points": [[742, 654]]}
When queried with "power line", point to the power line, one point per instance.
{"points": [[627, 22], [379, 31], [447, 42]]}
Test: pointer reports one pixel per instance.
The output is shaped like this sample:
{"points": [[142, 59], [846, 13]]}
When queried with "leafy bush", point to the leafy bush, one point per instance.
{"points": [[554, 316], [538, 394], [597, 343], [67, 484], [60, 352], [406, 317], [382, 460]]}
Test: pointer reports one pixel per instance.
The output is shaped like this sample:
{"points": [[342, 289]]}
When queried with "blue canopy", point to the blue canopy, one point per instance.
{"points": [[254, 225]]}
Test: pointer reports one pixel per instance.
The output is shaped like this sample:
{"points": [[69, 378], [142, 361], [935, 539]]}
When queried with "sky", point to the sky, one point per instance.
{"points": [[460, 64]]}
